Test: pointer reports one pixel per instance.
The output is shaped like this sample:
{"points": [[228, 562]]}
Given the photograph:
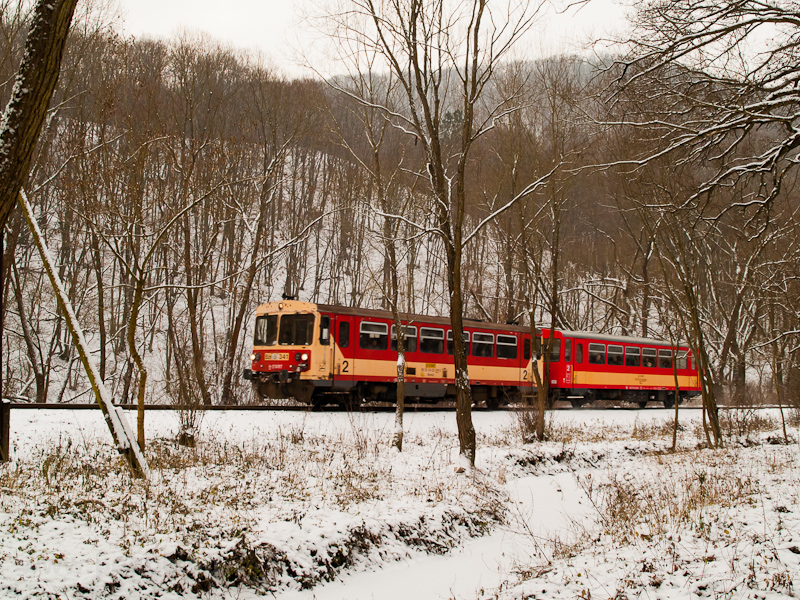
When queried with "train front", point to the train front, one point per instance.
{"points": [[286, 351]]}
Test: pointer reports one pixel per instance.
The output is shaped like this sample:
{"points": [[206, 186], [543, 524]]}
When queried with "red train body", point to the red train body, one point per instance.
{"points": [[322, 354]]}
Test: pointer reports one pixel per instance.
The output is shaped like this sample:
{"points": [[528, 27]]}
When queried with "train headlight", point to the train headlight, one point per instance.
{"points": [[297, 356], [304, 356], [255, 357]]}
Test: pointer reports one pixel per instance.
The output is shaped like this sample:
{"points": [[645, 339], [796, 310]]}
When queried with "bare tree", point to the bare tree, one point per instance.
{"points": [[278, 123], [443, 56], [713, 96], [381, 156]]}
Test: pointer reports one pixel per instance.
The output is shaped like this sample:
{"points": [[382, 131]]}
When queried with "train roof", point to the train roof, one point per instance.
{"points": [[472, 323], [387, 314], [411, 318], [621, 339]]}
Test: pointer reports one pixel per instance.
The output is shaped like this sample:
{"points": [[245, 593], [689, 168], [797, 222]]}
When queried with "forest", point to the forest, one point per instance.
{"points": [[181, 183]]}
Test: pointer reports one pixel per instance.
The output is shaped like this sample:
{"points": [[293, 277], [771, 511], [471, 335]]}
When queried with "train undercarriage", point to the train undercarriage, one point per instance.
{"points": [[321, 393], [579, 398]]}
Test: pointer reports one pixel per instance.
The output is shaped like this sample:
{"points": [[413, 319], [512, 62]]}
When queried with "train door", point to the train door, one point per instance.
{"points": [[568, 365], [326, 347], [579, 347], [343, 360]]}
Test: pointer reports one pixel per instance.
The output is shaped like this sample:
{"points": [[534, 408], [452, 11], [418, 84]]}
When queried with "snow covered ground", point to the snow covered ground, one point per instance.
{"points": [[316, 505]]}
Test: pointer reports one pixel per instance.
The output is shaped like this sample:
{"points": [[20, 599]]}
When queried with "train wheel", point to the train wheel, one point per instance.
{"points": [[642, 403], [351, 402], [267, 391], [587, 398], [669, 401], [492, 403]]}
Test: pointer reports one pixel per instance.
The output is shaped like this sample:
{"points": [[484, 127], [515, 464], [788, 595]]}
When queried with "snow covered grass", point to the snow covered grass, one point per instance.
{"points": [[275, 502], [290, 503], [721, 524]]}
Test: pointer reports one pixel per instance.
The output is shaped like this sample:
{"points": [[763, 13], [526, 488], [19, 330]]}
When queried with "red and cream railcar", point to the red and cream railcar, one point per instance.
{"points": [[589, 366], [323, 354]]}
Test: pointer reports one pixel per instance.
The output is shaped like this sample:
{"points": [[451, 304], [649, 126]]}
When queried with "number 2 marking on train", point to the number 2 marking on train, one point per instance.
{"points": [[345, 366], [525, 375]]}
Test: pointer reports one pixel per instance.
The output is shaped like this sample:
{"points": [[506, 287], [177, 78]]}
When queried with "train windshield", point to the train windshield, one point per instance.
{"points": [[296, 330], [266, 331]]}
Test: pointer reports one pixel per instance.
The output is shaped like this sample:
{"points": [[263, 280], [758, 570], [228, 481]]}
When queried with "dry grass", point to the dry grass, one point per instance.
{"points": [[737, 424], [559, 427], [673, 495], [743, 422]]}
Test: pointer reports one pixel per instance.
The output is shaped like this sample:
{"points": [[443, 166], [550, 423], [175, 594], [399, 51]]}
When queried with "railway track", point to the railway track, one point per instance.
{"points": [[377, 408]]}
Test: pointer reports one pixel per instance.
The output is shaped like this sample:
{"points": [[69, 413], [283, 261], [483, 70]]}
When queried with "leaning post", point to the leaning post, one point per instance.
{"points": [[117, 423]]}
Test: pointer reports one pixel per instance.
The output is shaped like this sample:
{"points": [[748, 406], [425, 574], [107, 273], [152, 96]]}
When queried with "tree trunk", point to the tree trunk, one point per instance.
{"points": [[710, 409], [27, 333], [466, 430], [30, 98], [777, 369], [677, 396], [26, 110], [233, 339], [137, 358], [97, 259], [192, 295], [646, 290], [397, 435]]}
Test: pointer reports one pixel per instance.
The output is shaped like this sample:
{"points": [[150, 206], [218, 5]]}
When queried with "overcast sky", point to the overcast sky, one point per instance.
{"points": [[276, 27]]}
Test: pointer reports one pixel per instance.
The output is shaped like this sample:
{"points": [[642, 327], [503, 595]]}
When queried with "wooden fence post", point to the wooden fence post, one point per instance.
{"points": [[5, 418]]}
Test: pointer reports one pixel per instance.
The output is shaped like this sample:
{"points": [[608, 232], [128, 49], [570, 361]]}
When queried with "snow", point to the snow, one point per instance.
{"points": [[318, 505]]}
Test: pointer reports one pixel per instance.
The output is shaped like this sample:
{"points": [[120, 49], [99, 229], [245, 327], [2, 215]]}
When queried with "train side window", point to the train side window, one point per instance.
{"points": [[506, 346], [266, 331], [648, 357], [483, 344], [597, 354], [411, 339], [526, 349], [579, 354], [344, 334], [555, 351], [450, 347], [664, 359], [431, 340], [567, 350], [325, 330], [681, 360], [373, 336], [615, 356], [633, 357], [692, 363]]}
